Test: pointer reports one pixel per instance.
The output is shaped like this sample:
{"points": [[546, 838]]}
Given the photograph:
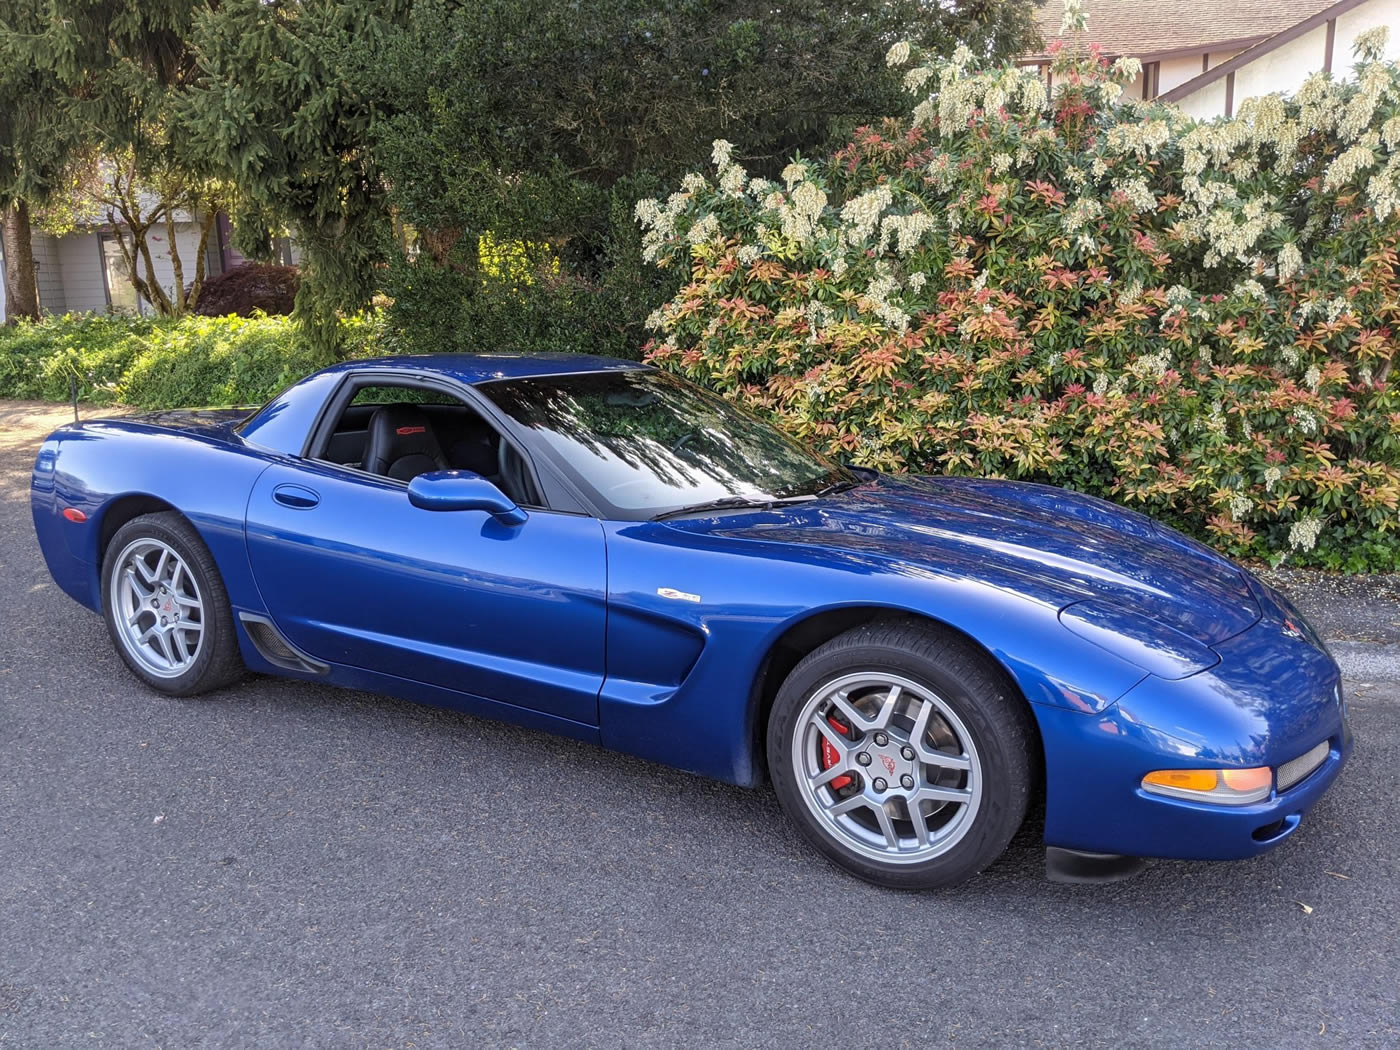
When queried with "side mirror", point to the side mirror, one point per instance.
{"points": [[463, 490]]}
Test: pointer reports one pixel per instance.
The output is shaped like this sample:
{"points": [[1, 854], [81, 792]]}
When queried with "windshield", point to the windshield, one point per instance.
{"points": [[641, 443]]}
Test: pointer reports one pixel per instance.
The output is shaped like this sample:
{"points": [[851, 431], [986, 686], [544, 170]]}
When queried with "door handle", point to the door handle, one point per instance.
{"points": [[296, 496]]}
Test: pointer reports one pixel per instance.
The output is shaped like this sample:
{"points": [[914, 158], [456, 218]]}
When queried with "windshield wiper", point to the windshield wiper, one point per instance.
{"points": [[729, 503], [838, 486]]}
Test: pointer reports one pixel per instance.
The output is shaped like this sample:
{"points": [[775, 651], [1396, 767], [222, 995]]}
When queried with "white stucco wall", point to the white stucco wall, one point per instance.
{"points": [[1206, 103], [1357, 21], [1286, 67], [1282, 69], [1177, 70]]}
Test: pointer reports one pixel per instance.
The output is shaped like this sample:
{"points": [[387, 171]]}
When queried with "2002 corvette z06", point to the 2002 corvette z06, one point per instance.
{"points": [[597, 548]]}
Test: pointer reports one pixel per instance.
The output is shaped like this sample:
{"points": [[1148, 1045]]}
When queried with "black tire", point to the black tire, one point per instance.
{"points": [[978, 694], [216, 661]]}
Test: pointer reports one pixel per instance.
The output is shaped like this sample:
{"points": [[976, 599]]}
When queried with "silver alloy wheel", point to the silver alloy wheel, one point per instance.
{"points": [[915, 780], [157, 608]]}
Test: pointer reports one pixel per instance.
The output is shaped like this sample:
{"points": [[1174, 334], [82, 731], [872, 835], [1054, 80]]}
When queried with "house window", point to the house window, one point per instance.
{"points": [[116, 278]]}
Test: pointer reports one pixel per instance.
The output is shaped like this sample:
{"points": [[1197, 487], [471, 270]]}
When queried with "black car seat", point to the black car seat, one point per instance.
{"points": [[401, 443]]}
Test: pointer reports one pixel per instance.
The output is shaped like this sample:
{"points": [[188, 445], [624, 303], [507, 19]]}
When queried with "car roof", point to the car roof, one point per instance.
{"points": [[484, 368]]}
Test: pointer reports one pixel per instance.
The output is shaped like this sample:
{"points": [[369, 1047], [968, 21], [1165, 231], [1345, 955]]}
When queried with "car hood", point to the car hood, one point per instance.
{"points": [[1049, 544]]}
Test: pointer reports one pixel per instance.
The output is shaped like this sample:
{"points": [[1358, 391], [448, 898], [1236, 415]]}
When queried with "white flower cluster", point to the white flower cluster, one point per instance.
{"points": [[861, 214], [898, 54], [1126, 69], [1240, 505], [1272, 476], [904, 231], [1075, 19], [1152, 366], [1290, 261], [819, 316], [1080, 212], [1348, 165], [878, 292], [733, 180], [704, 230], [1139, 194], [801, 219], [1302, 535]]}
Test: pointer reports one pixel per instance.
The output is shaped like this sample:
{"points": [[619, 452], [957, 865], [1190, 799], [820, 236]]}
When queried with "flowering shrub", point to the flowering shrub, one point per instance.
{"points": [[1194, 318]]}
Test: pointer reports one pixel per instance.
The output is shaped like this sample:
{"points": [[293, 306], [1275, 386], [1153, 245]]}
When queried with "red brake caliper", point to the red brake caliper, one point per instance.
{"points": [[830, 756]]}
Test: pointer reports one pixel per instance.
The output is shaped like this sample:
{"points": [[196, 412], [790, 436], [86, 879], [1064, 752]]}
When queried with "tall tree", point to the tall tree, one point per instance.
{"points": [[274, 106], [540, 122], [80, 78], [36, 137]]}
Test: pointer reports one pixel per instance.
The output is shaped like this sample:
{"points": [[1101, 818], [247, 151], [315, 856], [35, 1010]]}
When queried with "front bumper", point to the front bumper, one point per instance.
{"points": [[1274, 695]]}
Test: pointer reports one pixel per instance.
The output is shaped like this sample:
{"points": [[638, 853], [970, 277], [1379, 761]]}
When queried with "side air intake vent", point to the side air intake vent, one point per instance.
{"points": [[275, 649]]}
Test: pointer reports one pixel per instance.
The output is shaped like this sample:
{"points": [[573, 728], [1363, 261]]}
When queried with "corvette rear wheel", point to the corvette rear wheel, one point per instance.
{"points": [[901, 753], [166, 607]]}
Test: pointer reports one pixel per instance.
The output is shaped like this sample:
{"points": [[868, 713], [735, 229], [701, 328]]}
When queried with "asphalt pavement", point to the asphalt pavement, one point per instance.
{"points": [[290, 865]]}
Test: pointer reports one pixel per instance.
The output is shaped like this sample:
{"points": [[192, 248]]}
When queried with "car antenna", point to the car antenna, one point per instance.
{"points": [[73, 393]]}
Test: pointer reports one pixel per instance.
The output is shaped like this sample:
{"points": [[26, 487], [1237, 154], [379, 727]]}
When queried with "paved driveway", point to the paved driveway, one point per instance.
{"points": [[287, 865]]}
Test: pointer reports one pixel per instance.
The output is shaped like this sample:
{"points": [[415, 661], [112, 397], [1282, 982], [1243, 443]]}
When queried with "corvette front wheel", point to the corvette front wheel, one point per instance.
{"points": [[902, 754]]}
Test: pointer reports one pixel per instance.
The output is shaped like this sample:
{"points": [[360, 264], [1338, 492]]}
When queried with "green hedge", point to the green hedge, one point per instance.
{"points": [[1197, 319], [163, 363]]}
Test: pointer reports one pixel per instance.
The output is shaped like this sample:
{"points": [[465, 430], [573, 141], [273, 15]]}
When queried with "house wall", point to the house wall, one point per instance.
{"points": [[1357, 21], [83, 264], [49, 274], [1177, 70], [1206, 103], [1287, 66], [82, 273], [1283, 69]]}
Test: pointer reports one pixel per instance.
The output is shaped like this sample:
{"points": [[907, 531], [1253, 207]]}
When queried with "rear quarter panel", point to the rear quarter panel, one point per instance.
{"points": [[101, 468]]}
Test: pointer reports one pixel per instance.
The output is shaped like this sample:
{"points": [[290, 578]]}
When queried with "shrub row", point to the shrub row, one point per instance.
{"points": [[162, 363], [1196, 318]]}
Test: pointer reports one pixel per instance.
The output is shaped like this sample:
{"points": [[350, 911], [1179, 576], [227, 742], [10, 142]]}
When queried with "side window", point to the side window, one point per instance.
{"points": [[401, 431]]}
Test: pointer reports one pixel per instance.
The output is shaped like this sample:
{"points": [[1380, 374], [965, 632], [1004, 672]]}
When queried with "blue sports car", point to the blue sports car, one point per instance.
{"points": [[597, 548]]}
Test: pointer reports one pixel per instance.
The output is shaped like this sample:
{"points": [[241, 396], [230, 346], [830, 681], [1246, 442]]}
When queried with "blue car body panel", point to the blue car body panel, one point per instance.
{"points": [[1136, 648]]}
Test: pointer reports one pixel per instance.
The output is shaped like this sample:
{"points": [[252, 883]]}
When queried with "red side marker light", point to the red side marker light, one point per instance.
{"points": [[74, 514], [411, 430]]}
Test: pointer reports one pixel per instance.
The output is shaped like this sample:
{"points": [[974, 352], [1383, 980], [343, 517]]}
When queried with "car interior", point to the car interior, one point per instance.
{"points": [[401, 432]]}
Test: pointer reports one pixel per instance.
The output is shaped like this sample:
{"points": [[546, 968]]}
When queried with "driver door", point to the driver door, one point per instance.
{"points": [[355, 575]]}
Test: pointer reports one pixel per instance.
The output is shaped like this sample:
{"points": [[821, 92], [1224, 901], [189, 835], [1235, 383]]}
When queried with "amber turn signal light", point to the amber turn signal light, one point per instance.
{"points": [[1230, 787]]}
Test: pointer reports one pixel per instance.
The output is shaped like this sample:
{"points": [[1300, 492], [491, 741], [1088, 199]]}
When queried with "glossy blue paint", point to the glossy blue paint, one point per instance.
{"points": [[453, 490], [456, 599], [1137, 649]]}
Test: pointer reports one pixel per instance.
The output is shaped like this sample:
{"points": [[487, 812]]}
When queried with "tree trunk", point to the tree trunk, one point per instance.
{"points": [[177, 298], [21, 287], [210, 217]]}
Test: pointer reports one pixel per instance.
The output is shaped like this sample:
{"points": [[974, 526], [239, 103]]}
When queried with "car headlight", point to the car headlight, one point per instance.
{"points": [[1227, 787]]}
